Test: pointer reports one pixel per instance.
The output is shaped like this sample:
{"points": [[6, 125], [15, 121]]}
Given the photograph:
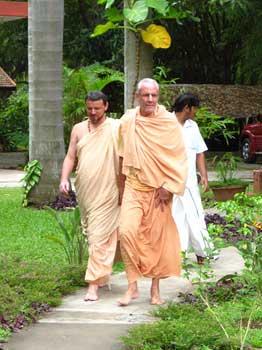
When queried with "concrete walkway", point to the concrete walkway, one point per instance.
{"points": [[12, 178], [79, 325]]}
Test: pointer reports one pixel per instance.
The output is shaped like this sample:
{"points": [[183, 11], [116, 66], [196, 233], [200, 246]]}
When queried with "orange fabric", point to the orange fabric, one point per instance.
{"points": [[153, 149], [101, 259], [148, 237]]}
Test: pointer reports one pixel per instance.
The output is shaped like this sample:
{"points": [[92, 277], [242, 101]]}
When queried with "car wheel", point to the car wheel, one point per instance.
{"points": [[245, 152]]}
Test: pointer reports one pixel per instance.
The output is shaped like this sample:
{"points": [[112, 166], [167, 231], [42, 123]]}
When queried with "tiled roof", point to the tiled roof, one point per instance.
{"points": [[13, 9], [5, 80]]}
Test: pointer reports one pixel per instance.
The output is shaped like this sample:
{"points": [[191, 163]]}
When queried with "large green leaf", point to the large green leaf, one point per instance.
{"points": [[113, 15], [109, 3], [103, 28], [160, 6], [137, 13]]}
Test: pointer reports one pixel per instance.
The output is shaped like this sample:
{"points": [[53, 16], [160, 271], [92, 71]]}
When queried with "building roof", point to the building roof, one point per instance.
{"points": [[5, 80], [11, 10], [236, 101]]}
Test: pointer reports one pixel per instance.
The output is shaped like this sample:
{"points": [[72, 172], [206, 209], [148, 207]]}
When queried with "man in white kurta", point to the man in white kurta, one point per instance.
{"points": [[187, 210], [93, 144]]}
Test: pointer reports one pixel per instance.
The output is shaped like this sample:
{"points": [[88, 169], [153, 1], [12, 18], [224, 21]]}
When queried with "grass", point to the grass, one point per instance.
{"points": [[186, 327], [33, 270]]}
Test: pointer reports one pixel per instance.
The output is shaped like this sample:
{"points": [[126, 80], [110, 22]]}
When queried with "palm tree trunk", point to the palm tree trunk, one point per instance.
{"points": [[46, 139]]}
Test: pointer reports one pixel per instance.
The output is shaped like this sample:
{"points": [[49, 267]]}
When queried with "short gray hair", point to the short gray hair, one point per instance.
{"points": [[146, 81]]}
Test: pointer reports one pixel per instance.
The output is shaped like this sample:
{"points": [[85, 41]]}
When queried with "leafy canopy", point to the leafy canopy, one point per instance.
{"points": [[136, 13]]}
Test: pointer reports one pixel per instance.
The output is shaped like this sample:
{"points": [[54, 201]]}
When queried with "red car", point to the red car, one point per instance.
{"points": [[251, 139]]}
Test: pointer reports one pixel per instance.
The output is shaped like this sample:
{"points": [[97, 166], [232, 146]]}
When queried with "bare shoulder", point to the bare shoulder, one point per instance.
{"points": [[79, 129]]}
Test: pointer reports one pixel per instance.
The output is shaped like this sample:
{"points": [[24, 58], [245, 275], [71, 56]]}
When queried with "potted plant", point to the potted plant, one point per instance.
{"points": [[227, 185]]}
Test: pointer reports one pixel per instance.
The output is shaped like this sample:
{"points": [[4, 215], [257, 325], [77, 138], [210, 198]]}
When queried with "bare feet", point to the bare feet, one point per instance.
{"points": [[130, 294], [91, 294]]}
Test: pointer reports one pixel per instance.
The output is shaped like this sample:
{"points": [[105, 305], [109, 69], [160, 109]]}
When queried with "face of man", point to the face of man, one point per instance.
{"points": [[96, 111], [147, 98], [190, 113]]}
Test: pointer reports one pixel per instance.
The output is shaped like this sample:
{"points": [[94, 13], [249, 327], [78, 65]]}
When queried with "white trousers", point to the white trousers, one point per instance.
{"points": [[188, 214]]}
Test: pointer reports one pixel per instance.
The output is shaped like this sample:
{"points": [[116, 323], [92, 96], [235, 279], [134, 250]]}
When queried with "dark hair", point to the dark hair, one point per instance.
{"points": [[96, 95], [186, 99]]}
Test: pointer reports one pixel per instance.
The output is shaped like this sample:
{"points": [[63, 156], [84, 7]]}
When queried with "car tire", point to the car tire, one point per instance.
{"points": [[245, 152]]}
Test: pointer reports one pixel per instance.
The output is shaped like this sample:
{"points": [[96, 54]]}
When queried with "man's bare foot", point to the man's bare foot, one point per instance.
{"points": [[157, 301], [91, 294], [130, 294]]}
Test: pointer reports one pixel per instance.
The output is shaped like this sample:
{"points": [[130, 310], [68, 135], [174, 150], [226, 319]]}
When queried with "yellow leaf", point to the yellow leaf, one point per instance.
{"points": [[157, 36]]}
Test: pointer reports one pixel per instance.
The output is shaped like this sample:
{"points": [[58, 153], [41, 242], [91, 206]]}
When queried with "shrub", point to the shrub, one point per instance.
{"points": [[14, 121]]}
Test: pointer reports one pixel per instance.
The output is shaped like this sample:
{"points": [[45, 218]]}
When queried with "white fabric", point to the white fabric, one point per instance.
{"points": [[187, 210], [194, 145]]}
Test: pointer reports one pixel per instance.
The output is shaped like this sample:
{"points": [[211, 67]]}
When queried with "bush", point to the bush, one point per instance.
{"points": [[14, 121], [77, 83]]}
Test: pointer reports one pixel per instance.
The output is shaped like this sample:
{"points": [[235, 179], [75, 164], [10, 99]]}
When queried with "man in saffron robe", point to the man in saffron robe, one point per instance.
{"points": [[93, 143], [154, 166]]}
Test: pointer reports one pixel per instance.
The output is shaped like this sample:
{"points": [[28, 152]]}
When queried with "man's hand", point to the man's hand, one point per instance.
{"points": [[204, 183], [121, 186], [64, 187], [162, 197]]}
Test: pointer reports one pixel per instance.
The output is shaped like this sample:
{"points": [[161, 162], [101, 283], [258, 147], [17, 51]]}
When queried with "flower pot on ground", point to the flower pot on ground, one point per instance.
{"points": [[227, 185], [227, 192]]}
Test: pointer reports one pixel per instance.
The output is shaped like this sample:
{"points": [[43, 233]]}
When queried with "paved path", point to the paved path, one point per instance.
{"points": [[79, 325], [11, 178]]}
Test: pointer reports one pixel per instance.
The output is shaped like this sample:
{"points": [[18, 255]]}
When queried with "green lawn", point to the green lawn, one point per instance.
{"points": [[33, 270]]}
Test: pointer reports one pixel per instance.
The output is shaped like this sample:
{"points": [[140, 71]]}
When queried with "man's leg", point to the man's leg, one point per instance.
{"points": [[130, 220], [155, 292], [100, 262]]}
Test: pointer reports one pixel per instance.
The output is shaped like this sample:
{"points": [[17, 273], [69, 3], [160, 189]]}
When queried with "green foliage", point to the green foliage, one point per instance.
{"points": [[13, 48], [161, 75], [249, 66], [32, 268], [77, 83], [14, 121], [184, 327], [73, 242], [30, 180], [248, 209], [4, 334], [212, 125], [226, 168], [136, 13]]}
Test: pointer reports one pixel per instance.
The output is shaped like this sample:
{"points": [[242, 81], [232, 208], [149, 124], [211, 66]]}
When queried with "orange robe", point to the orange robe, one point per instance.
{"points": [[153, 156], [97, 195]]}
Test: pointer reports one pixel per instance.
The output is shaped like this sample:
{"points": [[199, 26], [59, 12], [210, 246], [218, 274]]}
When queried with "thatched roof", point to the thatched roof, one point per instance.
{"points": [[5, 80], [226, 100]]}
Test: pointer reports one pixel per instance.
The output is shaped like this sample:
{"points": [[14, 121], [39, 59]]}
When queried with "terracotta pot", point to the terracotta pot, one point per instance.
{"points": [[227, 192]]}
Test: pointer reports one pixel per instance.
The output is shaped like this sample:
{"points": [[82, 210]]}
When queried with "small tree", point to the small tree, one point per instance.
{"points": [[139, 18]]}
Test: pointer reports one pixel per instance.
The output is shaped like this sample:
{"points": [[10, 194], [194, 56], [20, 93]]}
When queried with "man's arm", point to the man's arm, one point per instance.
{"points": [[68, 163], [121, 181], [201, 166]]}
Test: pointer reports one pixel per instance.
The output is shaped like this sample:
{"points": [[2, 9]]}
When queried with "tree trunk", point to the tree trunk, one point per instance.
{"points": [[138, 64], [46, 139]]}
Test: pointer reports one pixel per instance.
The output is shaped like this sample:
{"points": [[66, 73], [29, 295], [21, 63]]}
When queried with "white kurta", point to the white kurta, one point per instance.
{"points": [[187, 210]]}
